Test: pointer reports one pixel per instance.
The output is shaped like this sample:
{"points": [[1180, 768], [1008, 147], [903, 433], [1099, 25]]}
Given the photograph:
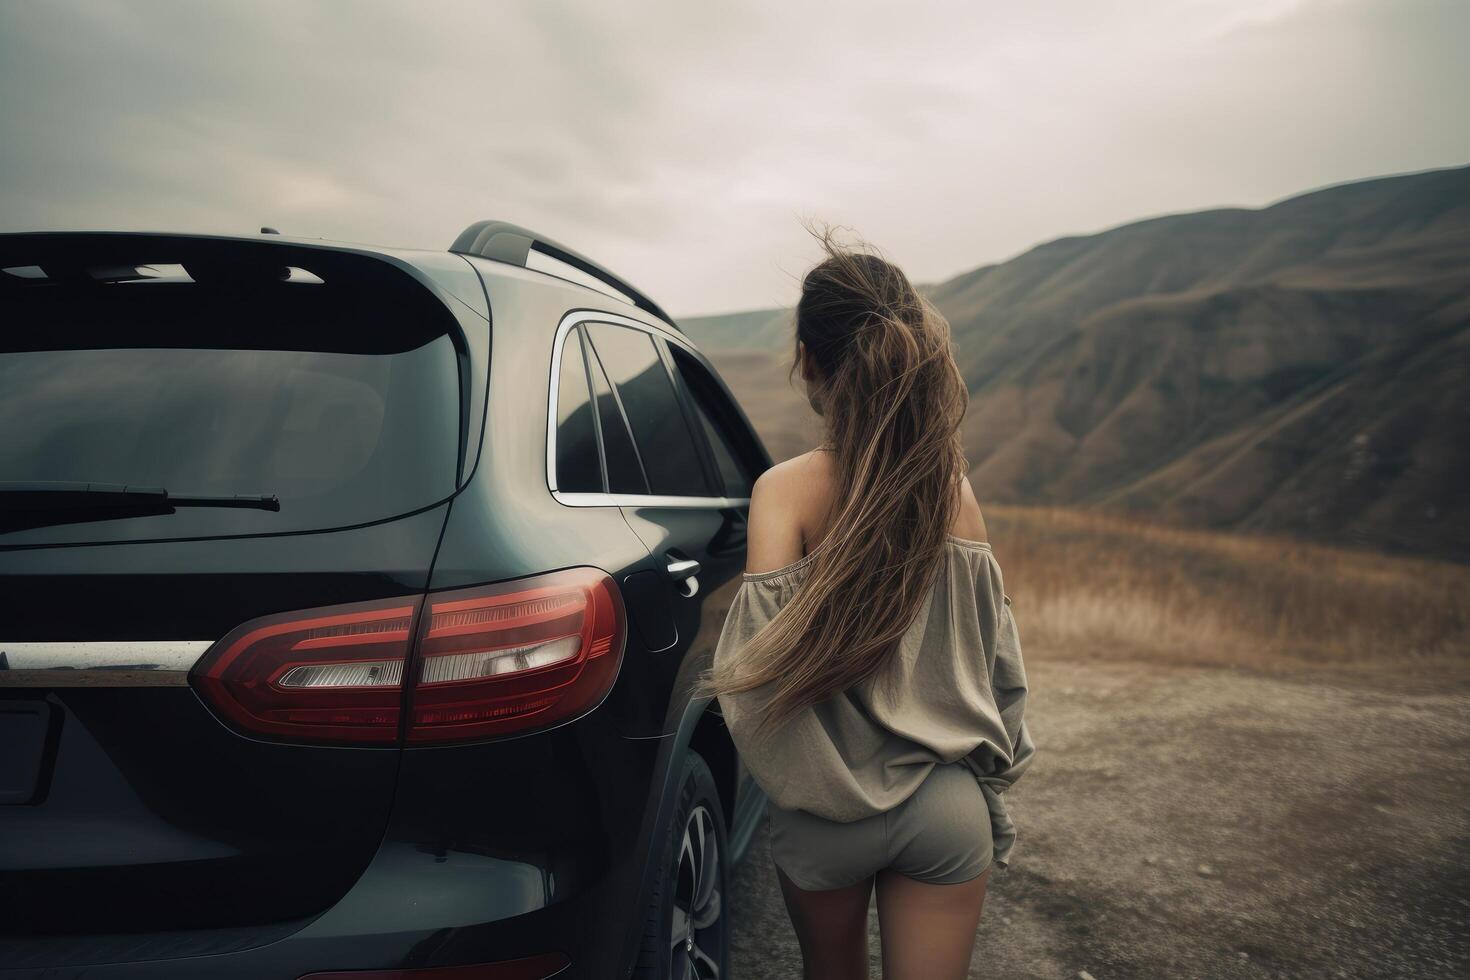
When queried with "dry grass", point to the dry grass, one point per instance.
{"points": [[1091, 586]]}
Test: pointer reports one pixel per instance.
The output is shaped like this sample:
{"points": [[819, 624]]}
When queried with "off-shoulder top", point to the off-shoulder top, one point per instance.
{"points": [[954, 691]]}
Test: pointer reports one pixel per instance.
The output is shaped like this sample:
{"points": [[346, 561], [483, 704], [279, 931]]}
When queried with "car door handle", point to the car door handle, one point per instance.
{"points": [[681, 568], [684, 571]]}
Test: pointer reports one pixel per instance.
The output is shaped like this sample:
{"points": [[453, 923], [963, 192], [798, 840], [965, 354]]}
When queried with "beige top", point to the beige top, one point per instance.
{"points": [[955, 690]]}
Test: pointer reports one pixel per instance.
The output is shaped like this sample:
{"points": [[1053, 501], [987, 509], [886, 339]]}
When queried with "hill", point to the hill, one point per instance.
{"points": [[1298, 368]]}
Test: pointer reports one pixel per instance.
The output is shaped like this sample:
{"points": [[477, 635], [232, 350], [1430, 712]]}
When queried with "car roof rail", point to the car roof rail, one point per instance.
{"points": [[502, 241]]}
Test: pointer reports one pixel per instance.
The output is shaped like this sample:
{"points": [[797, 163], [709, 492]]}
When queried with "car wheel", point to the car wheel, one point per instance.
{"points": [[686, 936]]}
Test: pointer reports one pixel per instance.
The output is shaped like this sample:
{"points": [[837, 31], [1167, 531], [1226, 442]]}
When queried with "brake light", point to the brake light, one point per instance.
{"points": [[515, 655], [330, 674], [488, 661]]}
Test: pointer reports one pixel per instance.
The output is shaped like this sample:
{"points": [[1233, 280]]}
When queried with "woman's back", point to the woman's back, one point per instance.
{"points": [[953, 689], [791, 507]]}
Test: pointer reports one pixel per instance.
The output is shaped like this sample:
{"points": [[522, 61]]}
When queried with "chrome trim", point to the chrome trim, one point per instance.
{"points": [[646, 500], [612, 499], [682, 568], [103, 663]]}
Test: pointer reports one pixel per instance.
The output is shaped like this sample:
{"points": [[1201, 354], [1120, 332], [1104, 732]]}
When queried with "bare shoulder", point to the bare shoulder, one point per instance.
{"points": [[781, 504], [969, 522]]}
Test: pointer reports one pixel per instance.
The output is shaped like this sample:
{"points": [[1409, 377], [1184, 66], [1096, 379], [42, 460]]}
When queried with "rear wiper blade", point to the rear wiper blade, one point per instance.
{"points": [[42, 503]]}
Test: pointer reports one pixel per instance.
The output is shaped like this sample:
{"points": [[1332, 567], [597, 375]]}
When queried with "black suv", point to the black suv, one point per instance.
{"points": [[350, 600]]}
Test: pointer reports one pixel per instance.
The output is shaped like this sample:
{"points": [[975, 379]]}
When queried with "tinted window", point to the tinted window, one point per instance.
{"points": [[647, 394], [624, 471], [715, 414], [578, 469], [340, 438]]}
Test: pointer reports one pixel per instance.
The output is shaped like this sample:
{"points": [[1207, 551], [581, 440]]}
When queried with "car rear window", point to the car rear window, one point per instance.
{"points": [[346, 407]]}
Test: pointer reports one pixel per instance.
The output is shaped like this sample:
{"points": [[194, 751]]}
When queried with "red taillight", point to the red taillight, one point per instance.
{"points": [[490, 661], [516, 655], [331, 674]]}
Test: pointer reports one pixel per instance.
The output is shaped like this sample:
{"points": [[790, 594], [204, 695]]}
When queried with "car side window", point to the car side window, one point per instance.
{"points": [[721, 423], [578, 465], [646, 392], [624, 468]]}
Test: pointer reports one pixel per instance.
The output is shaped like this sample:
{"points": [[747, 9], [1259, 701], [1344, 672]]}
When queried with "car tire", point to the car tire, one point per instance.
{"points": [[686, 932]]}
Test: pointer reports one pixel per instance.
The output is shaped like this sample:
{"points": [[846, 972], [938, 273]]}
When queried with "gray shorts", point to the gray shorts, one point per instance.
{"points": [[939, 835]]}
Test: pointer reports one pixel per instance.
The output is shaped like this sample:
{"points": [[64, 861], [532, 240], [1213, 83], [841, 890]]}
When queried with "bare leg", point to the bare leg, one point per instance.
{"points": [[928, 931], [832, 927]]}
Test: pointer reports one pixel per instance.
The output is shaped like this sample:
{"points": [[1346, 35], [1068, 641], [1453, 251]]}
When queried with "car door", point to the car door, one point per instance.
{"points": [[738, 458], [668, 480]]}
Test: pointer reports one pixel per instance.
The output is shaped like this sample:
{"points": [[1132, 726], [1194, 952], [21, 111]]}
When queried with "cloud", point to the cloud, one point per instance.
{"points": [[681, 142]]}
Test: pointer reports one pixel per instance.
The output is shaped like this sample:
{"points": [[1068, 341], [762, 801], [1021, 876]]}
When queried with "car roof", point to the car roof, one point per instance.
{"points": [[435, 264]]}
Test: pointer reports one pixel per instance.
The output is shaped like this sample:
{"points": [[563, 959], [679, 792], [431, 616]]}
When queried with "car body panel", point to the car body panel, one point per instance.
{"points": [[476, 852], [161, 803]]}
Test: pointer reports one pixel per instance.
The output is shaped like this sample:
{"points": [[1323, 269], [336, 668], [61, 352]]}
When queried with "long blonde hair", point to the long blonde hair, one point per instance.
{"points": [[892, 399]]}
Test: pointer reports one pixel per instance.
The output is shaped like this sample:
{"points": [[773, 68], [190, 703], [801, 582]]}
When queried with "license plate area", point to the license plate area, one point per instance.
{"points": [[25, 732]]}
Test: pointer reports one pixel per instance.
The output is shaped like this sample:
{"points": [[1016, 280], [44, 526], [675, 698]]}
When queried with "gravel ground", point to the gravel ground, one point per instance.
{"points": [[1191, 822]]}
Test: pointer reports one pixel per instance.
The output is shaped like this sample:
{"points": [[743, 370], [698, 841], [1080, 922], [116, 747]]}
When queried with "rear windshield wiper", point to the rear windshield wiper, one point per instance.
{"points": [[39, 503]]}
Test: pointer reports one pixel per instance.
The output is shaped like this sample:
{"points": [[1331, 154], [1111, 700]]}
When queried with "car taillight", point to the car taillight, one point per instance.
{"points": [[332, 674], [489, 661], [516, 655]]}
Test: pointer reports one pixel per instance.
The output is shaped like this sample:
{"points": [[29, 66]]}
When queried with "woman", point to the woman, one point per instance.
{"points": [[869, 669]]}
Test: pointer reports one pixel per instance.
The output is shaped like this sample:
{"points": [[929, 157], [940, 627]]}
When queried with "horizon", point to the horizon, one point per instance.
{"points": [[1065, 236]]}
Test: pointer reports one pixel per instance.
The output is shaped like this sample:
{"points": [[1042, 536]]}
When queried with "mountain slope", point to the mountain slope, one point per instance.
{"points": [[1297, 368]]}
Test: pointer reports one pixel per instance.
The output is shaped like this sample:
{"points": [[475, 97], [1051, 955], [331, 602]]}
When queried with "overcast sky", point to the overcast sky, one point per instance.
{"points": [[681, 142]]}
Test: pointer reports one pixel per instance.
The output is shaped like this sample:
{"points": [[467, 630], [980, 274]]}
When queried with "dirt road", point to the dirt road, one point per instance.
{"points": [[1203, 822]]}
